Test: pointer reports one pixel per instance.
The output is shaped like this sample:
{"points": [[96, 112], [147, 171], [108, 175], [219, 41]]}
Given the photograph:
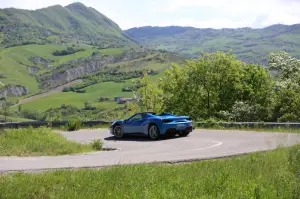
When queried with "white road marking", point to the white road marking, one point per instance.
{"points": [[2, 83], [215, 145], [198, 149]]}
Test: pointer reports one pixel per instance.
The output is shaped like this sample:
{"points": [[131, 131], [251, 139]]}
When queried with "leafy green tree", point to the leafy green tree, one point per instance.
{"points": [[288, 66], [52, 115], [132, 107], [151, 95], [20, 108], [213, 83], [287, 99], [287, 102]]}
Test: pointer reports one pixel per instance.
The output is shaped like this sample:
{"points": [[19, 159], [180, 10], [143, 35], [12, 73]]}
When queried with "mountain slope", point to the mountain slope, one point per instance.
{"points": [[250, 45], [34, 42], [55, 24]]}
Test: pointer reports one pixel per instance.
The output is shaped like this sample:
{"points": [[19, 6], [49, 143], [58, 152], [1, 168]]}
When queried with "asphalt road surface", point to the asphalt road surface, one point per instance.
{"points": [[200, 144]]}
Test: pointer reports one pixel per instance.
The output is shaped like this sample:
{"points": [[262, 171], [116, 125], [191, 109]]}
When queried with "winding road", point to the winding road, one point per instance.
{"points": [[199, 145]]}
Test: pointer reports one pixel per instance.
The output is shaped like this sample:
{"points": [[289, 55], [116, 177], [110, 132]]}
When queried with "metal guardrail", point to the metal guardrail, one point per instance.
{"points": [[37, 124]]}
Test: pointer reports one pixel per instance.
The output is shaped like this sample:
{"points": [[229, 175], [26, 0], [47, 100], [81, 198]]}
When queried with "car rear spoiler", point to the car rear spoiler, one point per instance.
{"points": [[177, 118]]}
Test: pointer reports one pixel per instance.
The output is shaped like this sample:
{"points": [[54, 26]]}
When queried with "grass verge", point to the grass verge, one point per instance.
{"points": [[39, 142], [266, 130], [261, 175]]}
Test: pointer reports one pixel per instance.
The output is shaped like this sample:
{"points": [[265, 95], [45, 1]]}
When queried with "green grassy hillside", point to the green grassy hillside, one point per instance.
{"points": [[250, 45], [57, 24], [92, 95], [35, 44]]}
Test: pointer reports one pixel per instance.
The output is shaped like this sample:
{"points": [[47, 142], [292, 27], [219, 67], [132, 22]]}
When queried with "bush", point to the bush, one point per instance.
{"points": [[68, 51], [97, 145], [66, 89], [74, 124], [88, 106]]}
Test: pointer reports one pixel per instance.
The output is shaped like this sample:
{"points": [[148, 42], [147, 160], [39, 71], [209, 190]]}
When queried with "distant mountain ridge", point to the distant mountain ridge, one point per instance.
{"points": [[250, 45], [55, 24]]}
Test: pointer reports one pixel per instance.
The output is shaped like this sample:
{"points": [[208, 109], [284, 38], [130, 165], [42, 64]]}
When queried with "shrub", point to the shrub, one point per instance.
{"points": [[68, 51], [66, 89], [74, 124], [97, 145], [88, 106]]}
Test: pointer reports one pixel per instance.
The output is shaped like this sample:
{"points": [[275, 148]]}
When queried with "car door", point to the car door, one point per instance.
{"points": [[132, 124], [136, 125]]}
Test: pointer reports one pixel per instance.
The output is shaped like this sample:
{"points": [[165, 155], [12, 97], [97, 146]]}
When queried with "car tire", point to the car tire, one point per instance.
{"points": [[183, 133], [153, 132], [118, 132]]}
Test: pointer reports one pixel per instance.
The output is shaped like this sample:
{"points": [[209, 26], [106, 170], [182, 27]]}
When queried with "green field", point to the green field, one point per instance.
{"points": [[93, 93], [261, 175], [38, 142]]}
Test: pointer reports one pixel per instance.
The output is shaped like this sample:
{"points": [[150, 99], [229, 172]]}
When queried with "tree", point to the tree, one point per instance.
{"points": [[132, 107], [287, 102], [20, 108], [151, 95], [289, 67], [213, 83], [287, 98]]}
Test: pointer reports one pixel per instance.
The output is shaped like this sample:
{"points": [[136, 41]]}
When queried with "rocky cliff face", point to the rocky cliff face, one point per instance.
{"points": [[13, 91], [84, 67]]}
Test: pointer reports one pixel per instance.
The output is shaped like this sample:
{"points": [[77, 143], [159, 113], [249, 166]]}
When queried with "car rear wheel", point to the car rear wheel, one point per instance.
{"points": [[153, 132], [118, 132]]}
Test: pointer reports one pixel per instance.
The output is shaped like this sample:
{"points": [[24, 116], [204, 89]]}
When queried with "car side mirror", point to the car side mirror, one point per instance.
{"points": [[125, 121]]}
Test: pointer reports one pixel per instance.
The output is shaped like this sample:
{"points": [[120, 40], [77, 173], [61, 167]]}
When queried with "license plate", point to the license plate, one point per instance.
{"points": [[180, 125]]}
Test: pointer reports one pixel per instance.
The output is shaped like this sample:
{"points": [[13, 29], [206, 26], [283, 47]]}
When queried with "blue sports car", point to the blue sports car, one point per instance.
{"points": [[153, 125]]}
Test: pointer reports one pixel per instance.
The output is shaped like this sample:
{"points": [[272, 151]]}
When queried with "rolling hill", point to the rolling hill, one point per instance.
{"points": [[35, 42], [250, 45], [57, 24]]}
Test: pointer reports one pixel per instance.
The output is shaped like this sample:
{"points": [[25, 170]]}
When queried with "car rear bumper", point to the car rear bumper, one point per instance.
{"points": [[169, 128]]}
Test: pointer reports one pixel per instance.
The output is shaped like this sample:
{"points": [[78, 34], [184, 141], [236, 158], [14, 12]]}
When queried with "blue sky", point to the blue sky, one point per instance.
{"points": [[197, 13]]}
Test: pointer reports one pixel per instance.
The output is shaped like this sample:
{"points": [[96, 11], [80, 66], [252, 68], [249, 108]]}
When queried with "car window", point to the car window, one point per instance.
{"points": [[136, 117]]}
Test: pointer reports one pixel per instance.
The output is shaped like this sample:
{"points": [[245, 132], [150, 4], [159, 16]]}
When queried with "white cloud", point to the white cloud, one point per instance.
{"points": [[240, 13]]}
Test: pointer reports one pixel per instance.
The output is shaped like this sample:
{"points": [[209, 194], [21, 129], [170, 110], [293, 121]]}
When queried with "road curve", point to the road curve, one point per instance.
{"points": [[200, 144]]}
